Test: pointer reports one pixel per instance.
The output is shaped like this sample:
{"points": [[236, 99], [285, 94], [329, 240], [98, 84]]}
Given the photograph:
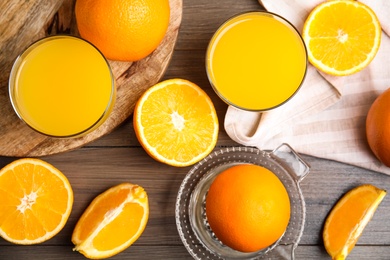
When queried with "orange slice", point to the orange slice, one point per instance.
{"points": [[176, 122], [35, 201], [112, 222], [342, 36], [349, 217]]}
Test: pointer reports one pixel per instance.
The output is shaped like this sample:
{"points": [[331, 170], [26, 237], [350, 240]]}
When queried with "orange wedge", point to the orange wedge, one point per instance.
{"points": [[112, 222], [349, 217], [176, 122], [35, 201], [342, 36]]}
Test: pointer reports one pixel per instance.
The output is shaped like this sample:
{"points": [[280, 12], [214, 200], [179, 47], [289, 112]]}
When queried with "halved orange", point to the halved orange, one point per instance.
{"points": [[112, 222], [176, 123], [35, 201], [349, 217], [342, 36]]}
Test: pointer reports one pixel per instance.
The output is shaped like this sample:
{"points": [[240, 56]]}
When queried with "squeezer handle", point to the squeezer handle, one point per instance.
{"points": [[293, 160]]}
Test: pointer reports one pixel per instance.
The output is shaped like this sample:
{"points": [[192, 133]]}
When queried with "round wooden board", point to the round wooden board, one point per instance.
{"points": [[23, 22]]}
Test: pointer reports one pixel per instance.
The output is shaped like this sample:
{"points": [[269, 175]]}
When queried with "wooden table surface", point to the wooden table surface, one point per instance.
{"points": [[118, 157]]}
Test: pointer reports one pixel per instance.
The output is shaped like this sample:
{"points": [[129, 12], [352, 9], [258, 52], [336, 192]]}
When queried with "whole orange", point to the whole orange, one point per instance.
{"points": [[378, 127], [247, 207], [124, 30]]}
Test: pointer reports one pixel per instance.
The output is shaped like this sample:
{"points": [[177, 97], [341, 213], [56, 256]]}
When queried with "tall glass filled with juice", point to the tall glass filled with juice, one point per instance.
{"points": [[256, 61], [62, 86]]}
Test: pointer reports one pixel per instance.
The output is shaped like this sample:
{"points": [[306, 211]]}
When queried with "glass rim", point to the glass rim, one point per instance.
{"points": [[262, 12], [12, 85]]}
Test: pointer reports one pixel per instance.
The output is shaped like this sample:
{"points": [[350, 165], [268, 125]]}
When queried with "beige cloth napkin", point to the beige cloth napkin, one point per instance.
{"points": [[326, 118]]}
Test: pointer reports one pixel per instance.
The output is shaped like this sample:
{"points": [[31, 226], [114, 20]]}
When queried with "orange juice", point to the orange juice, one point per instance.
{"points": [[62, 86], [256, 61]]}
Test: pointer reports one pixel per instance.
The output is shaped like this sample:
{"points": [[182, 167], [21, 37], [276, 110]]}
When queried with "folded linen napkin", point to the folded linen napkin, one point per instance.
{"points": [[326, 118]]}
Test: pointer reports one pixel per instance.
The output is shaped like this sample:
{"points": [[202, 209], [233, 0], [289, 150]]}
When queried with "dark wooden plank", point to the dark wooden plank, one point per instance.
{"points": [[135, 252], [358, 253], [92, 170], [174, 252]]}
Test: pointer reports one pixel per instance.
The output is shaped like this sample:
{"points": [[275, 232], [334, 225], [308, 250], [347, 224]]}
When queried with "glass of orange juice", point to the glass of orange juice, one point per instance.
{"points": [[62, 86], [256, 61]]}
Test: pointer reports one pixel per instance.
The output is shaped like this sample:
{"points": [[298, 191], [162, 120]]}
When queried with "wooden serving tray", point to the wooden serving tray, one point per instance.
{"points": [[23, 22]]}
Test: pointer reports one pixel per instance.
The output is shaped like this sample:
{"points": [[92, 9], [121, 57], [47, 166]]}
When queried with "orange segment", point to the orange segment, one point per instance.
{"points": [[342, 36], [35, 201], [112, 222], [176, 122], [349, 217]]}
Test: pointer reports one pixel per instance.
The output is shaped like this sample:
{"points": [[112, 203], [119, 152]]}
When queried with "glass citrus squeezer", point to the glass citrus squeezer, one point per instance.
{"points": [[191, 220]]}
